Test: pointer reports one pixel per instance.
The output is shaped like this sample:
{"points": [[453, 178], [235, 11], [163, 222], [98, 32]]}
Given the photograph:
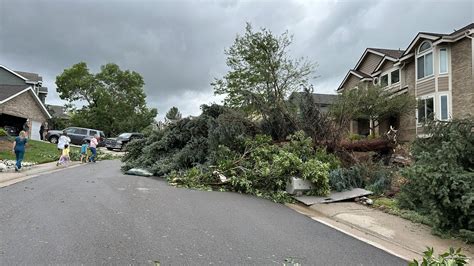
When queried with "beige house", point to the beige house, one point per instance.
{"points": [[437, 69], [22, 98]]}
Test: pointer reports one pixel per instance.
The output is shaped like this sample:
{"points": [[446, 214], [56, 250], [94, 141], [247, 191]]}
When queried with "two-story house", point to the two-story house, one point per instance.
{"points": [[22, 99], [437, 69]]}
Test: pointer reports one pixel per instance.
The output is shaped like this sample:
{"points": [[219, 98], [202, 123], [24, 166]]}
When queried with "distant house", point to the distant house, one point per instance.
{"points": [[436, 68], [22, 97], [323, 101], [58, 111]]}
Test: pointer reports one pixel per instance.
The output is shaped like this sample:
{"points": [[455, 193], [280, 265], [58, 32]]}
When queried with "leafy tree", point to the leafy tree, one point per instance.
{"points": [[262, 75], [114, 100], [373, 103], [173, 114]]}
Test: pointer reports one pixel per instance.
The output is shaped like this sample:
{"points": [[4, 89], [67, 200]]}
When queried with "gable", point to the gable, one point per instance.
{"points": [[351, 82], [9, 78], [15, 105], [369, 63], [386, 65]]}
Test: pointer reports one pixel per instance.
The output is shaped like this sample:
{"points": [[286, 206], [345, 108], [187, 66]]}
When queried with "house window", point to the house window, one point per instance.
{"points": [[425, 65], [443, 61], [384, 80], [395, 76], [424, 60], [425, 110], [426, 45], [444, 107]]}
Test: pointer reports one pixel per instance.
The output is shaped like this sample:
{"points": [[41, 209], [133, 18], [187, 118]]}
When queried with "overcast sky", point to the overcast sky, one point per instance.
{"points": [[178, 46]]}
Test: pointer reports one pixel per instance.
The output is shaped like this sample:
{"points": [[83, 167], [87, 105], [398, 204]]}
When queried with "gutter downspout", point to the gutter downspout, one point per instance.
{"points": [[470, 32]]}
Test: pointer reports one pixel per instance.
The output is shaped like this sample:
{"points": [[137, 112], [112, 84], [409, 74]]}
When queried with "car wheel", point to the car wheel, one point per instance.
{"points": [[53, 139]]}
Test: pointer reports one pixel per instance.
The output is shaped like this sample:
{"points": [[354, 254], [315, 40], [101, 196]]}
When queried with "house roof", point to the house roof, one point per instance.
{"points": [[57, 111], [393, 53], [360, 74], [439, 37], [7, 91], [322, 99], [30, 76], [325, 99]]}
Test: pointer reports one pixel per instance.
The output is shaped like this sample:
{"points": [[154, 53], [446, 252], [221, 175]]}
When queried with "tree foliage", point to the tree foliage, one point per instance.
{"points": [[441, 181], [262, 75], [173, 114], [371, 103], [114, 100]]}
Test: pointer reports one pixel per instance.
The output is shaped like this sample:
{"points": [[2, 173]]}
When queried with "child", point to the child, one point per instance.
{"points": [[64, 160], [84, 154]]}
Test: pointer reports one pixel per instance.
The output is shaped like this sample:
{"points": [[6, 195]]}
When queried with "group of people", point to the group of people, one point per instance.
{"points": [[87, 145], [19, 147]]}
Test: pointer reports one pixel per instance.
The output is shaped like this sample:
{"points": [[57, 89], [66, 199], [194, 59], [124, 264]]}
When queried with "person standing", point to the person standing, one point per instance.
{"points": [[46, 129], [93, 148], [26, 127], [19, 149], [63, 140], [41, 131]]}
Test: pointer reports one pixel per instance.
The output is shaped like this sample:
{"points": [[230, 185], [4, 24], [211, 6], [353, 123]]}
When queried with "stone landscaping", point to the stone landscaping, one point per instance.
{"points": [[9, 165]]}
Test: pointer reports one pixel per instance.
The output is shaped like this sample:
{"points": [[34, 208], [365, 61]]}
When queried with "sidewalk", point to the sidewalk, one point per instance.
{"points": [[391, 233], [10, 178]]}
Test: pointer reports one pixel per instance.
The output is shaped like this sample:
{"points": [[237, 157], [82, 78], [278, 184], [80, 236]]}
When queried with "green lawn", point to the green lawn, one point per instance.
{"points": [[36, 151]]}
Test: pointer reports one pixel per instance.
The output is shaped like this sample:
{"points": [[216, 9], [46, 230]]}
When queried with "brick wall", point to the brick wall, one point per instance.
{"points": [[462, 86], [25, 106]]}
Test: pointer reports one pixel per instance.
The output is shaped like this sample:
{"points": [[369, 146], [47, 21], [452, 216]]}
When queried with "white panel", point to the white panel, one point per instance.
{"points": [[35, 127]]}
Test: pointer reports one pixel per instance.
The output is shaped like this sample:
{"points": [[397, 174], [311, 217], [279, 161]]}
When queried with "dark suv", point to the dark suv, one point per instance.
{"points": [[120, 141], [77, 135]]}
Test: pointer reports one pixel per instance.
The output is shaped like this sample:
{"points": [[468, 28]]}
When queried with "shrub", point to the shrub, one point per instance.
{"points": [[451, 257], [441, 181], [3, 133], [372, 176]]}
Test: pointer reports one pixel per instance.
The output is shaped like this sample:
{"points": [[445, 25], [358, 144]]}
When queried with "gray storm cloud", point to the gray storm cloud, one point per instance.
{"points": [[178, 46]]}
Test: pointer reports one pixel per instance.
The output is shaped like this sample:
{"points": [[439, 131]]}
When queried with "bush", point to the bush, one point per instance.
{"points": [[441, 181], [3, 132], [451, 257], [372, 176]]}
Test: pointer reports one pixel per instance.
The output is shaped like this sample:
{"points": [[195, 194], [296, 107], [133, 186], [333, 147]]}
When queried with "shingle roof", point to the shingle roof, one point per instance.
{"points": [[394, 53], [57, 111], [321, 99], [470, 26], [30, 76], [326, 99], [364, 75], [7, 91]]}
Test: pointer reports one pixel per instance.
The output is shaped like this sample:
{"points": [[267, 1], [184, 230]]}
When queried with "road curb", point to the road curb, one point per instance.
{"points": [[358, 233], [25, 176]]}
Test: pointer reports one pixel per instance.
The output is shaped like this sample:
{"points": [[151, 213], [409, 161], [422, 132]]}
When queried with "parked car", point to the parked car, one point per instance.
{"points": [[121, 141], [77, 135], [11, 130]]}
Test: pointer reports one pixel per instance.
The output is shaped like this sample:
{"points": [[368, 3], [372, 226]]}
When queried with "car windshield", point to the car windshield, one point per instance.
{"points": [[125, 135]]}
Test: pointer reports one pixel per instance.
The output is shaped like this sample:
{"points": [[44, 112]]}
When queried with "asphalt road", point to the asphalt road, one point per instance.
{"points": [[93, 214]]}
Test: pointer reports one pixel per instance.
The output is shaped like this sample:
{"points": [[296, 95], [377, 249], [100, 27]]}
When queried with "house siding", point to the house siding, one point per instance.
{"points": [[407, 130], [23, 106], [369, 63], [443, 83], [386, 66], [462, 80], [425, 87], [7, 78], [351, 82]]}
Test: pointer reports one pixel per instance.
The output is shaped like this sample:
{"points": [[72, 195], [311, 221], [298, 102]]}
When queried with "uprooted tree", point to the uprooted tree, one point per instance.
{"points": [[114, 100]]}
